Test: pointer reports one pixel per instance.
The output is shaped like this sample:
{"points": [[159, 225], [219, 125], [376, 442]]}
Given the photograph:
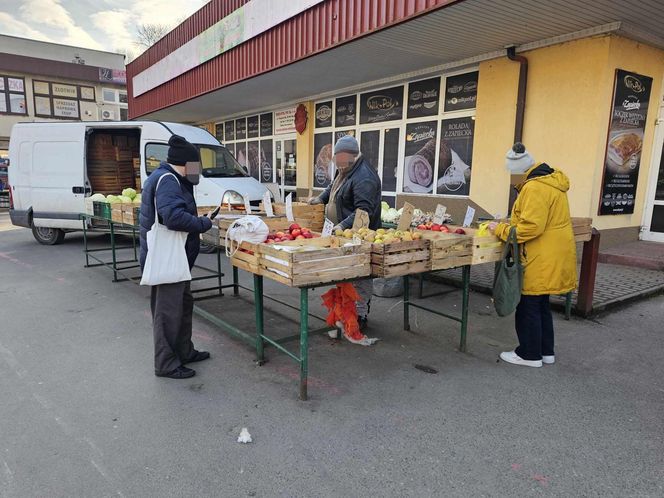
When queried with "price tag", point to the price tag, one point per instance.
{"points": [[470, 215], [327, 228], [361, 220], [289, 207], [247, 204], [406, 217], [229, 206], [267, 204], [439, 215]]}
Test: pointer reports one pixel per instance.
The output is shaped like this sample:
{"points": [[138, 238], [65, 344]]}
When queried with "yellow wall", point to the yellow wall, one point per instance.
{"points": [[305, 151], [568, 107]]}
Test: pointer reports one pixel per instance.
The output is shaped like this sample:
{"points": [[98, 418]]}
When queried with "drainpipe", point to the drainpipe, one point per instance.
{"points": [[520, 110], [521, 93]]}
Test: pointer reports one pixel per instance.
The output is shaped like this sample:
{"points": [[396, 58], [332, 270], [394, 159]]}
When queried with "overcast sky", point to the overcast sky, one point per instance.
{"points": [[98, 24]]}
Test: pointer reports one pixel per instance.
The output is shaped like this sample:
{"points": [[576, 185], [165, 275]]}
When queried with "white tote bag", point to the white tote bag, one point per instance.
{"points": [[166, 262]]}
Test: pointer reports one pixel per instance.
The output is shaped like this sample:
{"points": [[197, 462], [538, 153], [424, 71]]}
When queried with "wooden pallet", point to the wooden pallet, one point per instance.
{"points": [[400, 258], [583, 229], [325, 260]]}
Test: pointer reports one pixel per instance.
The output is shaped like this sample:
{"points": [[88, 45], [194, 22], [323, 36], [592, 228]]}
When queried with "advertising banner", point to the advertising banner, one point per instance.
{"points": [[420, 157], [381, 105], [455, 156], [423, 98]]}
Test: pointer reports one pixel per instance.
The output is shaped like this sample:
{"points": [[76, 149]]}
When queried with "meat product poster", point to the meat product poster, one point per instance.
{"points": [[324, 114], [455, 156], [423, 98], [266, 161], [420, 157], [461, 91], [622, 159], [381, 105], [323, 164], [252, 127]]}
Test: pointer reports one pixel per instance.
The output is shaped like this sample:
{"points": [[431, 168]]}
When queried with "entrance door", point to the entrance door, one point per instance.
{"points": [[381, 148], [285, 164], [654, 213]]}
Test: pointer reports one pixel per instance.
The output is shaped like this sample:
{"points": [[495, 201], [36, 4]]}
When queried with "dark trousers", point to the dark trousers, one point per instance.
{"points": [[534, 326], [172, 308]]}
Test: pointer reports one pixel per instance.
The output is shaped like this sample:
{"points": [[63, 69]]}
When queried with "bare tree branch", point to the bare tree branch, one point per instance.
{"points": [[149, 34]]}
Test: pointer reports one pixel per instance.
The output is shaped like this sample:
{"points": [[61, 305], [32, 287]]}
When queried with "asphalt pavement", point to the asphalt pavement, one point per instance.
{"points": [[81, 413]]}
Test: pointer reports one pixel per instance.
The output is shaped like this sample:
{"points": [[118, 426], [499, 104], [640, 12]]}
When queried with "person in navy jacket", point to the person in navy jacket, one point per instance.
{"points": [[172, 304]]}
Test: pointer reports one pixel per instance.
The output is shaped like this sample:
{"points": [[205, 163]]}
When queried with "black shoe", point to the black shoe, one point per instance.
{"points": [[198, 356], [363, 322], [179, 373]]}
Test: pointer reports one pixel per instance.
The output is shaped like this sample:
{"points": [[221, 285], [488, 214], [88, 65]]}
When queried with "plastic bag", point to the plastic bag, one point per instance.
{"points": [[388, 287], [246, 229]]}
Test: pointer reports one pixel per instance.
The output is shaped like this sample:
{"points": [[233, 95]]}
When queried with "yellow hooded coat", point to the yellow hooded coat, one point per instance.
{"points": [[544, 232]]}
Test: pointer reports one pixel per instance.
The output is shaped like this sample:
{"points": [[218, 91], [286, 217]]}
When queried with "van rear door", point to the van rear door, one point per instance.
{"points": [[58, 176]]}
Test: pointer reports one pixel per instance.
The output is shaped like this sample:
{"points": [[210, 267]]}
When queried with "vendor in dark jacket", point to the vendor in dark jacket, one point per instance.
{"points": [[172, 304], [355, 186]]}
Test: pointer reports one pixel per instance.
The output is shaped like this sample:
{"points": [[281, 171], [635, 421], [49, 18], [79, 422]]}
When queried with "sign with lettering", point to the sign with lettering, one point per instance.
{"points": [[324, 114], [381, 105], [252, 127], [423, 98], [327, 228], [406, 217], [240, 129], [439, 215], [289, 207], [420, 157], [266, 124], [622, 159], [461, 91], [361, 219], [284, 121], [470, 216], [65, 108], [267, 204], [455, 156], [64, 90], [345, 109]]}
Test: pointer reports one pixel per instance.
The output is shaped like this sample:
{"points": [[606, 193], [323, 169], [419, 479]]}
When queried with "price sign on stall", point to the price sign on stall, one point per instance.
{"points": [[247, 204], [470, 215], [439, 215], [289, 207], [327, 228], [267, 204], [361, 219], [406, 216]]}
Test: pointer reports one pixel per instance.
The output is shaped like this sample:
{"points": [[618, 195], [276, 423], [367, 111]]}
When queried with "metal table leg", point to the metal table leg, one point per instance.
{"points": [[85, 243], [236, 279], [258, 305], [219, 273], [115, 264], [304, 341], [406, 302], [464, 307], [568, 305]]}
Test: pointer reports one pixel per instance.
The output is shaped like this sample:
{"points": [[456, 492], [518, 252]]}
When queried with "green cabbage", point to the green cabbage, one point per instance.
{"points": [[112, 199], [129, 192], [98, 198]]}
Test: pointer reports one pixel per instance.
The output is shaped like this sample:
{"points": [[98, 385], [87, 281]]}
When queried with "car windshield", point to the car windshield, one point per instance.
{"points": [[217, 162]]}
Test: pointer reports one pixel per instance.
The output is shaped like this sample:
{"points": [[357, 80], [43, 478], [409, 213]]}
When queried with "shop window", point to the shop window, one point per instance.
{"points": [[124, 114], [423, 98], [323, 165], [110, 95], [324, 114], [290, 163], [229, 131], [381, 105], [241, 154], [123, 97], [53, 99], [266, 169], [240, 129], [266, 124], [420, 157], [461, 91], [12, 96], [253, 159], [345, 111], [252, 127]]}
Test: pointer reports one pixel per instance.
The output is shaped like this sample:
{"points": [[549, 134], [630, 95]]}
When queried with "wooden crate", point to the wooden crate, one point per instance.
{"points": [[118, 209], [323, 260], [449, 250], [583, 229], [309, 216], [225, 220], [131, 213], [400, 258]]}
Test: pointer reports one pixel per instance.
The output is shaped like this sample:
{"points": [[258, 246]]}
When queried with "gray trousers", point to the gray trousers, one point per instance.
{"points": [[365, 289], [172, 308]]}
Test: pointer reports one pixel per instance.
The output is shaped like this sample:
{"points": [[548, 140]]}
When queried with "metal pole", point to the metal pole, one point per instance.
{"points": [[258, 305], [221, 291], [589, 260], [304, 341], [133, 239], [115, 268], [568, 305], [85, 243], [406, 303], [236, 279], [464, 307]]}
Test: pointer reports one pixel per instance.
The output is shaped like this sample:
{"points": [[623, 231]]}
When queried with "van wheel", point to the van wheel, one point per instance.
{"points": [[207, 248], [48, 236]]}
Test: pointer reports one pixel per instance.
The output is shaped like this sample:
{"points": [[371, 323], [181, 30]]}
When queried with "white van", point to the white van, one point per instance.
{"points": [[51, 173]]}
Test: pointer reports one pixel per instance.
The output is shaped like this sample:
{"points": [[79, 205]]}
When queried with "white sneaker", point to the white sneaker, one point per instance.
{"points": [[548, 360], [515, 359]]}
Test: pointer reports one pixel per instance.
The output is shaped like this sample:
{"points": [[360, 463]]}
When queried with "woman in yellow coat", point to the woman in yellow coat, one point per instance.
{"points": [[548, 253]]}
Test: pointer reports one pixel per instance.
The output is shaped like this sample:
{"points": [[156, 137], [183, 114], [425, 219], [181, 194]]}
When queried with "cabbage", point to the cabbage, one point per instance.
{"points": [[384, 206], [98, 198], [137, 199], [129, 192], [113, 199], [390, 215], [125, 200]]}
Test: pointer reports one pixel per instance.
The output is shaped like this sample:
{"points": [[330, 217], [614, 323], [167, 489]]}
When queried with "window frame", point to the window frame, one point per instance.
{"points": [[7, 92]]}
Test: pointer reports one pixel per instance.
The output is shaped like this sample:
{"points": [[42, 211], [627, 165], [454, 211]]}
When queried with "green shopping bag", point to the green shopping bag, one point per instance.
{"points": [[508, 278]]}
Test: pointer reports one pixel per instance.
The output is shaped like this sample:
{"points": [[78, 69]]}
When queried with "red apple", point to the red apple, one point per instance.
{"points": [[296, 232], [305, 230], [460, 231], [280, 234], [422, 227], [300, 237], [308, 235], [435, 227], [288, 237], [294, 226], [443, 228]]}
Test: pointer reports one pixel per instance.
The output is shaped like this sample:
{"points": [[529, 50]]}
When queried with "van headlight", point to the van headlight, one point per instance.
{"points": [[232, 197]]}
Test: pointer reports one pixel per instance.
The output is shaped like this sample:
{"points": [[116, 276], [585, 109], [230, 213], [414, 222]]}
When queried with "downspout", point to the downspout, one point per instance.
{"points": [[520, 110], [521, 92]]}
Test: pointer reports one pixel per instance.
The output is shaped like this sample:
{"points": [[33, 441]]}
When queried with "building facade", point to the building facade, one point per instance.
{"points": [[436, 91], [45, 82]]}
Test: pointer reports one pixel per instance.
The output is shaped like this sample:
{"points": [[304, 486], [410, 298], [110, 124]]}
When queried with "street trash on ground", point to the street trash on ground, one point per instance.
{"points": [[244, 436]]}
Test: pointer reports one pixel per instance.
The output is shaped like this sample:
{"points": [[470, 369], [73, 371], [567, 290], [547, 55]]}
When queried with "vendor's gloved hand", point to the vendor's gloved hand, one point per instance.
{"points": [[337, 227], [492, 226], [315, 200]]}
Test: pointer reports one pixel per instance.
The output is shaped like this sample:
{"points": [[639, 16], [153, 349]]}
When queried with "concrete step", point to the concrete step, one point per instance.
{"points": [[641, 254]]}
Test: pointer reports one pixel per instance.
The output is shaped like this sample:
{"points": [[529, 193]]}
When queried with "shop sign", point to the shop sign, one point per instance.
{"points": [[423, 98], [420, 157], [266, 125], [381, 105], [284, 121], [266, 161], [461, 91], [345, 111], [339, 134], [324, 165], [622, 158], [324, 114], [301, 118], [64, 90], [118, 76], [65, 108], [229, 130], [240, 129], [15, 85], [41, 87], [455, 156], [252, 127]]}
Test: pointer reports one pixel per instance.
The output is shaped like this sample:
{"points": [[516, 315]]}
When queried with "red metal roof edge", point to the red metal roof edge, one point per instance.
{"points": [[420, 8]]}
